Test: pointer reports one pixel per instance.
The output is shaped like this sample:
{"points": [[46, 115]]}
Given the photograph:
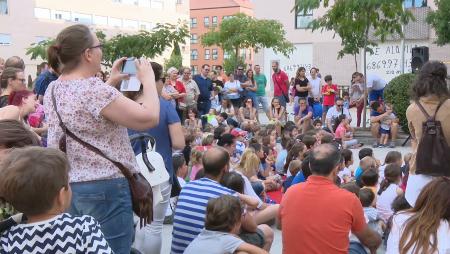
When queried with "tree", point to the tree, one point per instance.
{"points": [[242, 32], [230, 64], [143, 43], [440, 21], [174, 61], [354, 20]]}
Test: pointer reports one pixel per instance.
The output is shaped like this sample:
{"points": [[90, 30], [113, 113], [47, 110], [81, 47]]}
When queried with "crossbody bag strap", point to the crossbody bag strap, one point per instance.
{"points": [[125, 171], [282, 92]]}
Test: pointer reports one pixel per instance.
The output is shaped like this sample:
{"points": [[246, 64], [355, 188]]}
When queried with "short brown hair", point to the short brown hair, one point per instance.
{"points": [[15, 62], [14, 134], [32, 177], [223, 213], [8, 73], [68, 47]]}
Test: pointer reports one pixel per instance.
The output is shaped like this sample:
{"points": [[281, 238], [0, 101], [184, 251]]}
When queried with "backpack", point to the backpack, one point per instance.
{"points": [[433, 152]]}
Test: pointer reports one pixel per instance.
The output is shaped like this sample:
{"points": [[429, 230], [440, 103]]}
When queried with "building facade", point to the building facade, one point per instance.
{"points": [[206, 15], [23, 22], [320, 49]]}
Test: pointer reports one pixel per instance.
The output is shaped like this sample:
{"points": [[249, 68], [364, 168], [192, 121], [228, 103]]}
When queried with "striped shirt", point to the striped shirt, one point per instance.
{"points": [[190, 213], [59, 235]]}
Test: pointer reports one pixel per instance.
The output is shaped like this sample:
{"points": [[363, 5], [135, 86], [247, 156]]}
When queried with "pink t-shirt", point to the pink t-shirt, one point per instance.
{"points": [[79, 104], [194, 171], [340, 131], [328, 100]]}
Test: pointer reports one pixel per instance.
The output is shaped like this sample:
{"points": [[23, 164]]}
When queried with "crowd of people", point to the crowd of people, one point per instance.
{"points": [[227, 179]]}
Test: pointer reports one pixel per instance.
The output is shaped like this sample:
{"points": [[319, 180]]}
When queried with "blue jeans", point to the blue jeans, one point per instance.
{"points": [[264, 102], [109, 202], [282, 100]]}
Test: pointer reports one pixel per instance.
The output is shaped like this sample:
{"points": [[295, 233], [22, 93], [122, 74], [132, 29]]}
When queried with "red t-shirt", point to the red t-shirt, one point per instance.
{"points": [[317, 217], [328, 100], [179, 86], [279, 83]]}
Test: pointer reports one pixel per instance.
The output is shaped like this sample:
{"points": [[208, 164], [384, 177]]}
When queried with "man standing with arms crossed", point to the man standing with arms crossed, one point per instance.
{"points": [[205, 86], [261, 82], [280, 84]]}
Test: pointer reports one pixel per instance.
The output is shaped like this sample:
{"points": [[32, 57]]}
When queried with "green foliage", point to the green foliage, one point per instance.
{"points": [[143, 43], [174, 61], [397, 93], [39, 50], [353, 19], [231, 64], [440, 21], [242, 32]]}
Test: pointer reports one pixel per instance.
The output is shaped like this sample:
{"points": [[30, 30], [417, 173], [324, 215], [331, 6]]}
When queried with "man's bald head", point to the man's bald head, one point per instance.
{"points": [[323, 159], [215, 161], [15, 62]]}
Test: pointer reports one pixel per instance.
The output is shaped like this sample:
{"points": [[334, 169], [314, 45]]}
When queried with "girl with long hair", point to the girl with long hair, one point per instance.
{"points": [[277, 115], [389, 189], [248, 116], [302, 87], [424, 229], [295, 153], [344, 132], [250, 87]]}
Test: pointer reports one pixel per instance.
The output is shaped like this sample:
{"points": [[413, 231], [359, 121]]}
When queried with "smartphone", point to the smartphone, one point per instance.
{"points": [[129, 66]]}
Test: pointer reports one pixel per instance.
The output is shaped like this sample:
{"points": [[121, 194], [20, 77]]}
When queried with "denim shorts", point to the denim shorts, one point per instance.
{"points": [[109, 202]]}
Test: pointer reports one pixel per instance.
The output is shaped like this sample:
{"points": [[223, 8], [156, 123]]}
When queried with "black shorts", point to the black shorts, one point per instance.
{"points": [[256, 238]]}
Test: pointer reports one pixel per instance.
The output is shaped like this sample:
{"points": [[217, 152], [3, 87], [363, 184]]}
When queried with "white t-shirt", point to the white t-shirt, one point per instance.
{"points": [[315, 87], [232, 85], [414, 187], [384, 202], [375, 82], [398, 223], [333, 113], [344, 172], [248, 189]]}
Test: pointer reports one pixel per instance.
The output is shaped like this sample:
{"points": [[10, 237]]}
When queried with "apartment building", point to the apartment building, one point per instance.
{"points": [[320, 49], [206, 15], [23, 22]]}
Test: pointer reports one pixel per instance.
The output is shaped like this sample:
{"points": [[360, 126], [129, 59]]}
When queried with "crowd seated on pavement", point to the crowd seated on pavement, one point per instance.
{"points": [[221, 175]]}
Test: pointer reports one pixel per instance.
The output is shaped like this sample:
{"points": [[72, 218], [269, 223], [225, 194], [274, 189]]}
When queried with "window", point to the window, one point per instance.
{"points": [[146, 25], [194, 38], [214, 21], [206, 21], [82, 18], [157, 4], [302, 20], [194, 54], [40, 38], [5, 39], [145, 3], [114, 22], [415, 3], [194, 69], [226, 17], [42, 13], [132, 24], [215, 54], [243, 53], [61, 15], [193, 22], [100, 20], [179, 1], [226, 55], [207, 54], [3, 7]]}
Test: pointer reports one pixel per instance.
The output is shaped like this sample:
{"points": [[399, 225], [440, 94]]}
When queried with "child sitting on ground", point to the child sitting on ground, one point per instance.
{"points": [[346, 174], [318, 124], [367, 198], [294, 168], [369, 179], [42, 192], [222, 225], [196, 163]]}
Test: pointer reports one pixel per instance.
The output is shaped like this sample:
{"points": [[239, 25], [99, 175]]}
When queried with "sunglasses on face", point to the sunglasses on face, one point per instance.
{"points": [[339, 105]]}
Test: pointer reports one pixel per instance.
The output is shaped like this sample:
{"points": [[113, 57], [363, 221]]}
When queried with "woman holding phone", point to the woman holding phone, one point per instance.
{"points": [[97, 113]]}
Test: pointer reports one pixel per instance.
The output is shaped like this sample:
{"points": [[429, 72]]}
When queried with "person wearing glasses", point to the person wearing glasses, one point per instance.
{"points": [[12, 79], [99, 114], [205, 86], [334, 112], [192, 91]]}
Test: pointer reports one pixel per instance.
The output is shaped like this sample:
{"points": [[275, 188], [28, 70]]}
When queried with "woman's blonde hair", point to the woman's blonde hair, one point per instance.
{"points": [[249, 164]]}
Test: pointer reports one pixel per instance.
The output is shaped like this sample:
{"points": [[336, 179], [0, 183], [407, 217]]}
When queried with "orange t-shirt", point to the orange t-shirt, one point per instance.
{"points": [[317, 217]]}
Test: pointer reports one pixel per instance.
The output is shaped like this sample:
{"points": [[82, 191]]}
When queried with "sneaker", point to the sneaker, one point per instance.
{"points": [[381, 146], [375, 145], [392, 144]]}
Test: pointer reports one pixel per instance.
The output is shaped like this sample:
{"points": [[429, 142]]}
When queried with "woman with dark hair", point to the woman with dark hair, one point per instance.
{"points": [[14, 134], [250, 87], [193, 122], [12, 79], [97, 113], [248, 116], [169, 136], [295, 153], [425, 227], [302, 87], [430, 90]]}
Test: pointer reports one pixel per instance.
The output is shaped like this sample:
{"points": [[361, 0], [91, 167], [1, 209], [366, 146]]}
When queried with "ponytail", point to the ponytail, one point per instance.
{"points": [[53, 58], [392, 173]]}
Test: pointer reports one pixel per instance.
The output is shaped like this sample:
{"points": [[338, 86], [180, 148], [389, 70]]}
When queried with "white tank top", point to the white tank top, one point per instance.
{"points": [[385, 200]]}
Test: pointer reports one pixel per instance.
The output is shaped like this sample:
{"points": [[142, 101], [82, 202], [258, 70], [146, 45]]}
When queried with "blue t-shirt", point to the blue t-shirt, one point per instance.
{"points": [[205, 86], [375, 113], [167, 115], [299, 178], [358, 174], [190, 213], [42, 82], [281, 159]]}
